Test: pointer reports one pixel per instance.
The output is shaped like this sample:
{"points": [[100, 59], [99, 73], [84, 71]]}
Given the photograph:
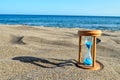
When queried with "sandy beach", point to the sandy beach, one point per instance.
{"points": [[47, 53]]}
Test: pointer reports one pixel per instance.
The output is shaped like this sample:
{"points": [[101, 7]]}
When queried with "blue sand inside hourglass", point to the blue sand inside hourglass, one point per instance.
{"points": [[88, 44], [87, 60]]}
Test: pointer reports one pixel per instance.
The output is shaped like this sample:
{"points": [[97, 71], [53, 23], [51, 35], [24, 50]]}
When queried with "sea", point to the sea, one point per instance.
{"points": [[63, 21]]}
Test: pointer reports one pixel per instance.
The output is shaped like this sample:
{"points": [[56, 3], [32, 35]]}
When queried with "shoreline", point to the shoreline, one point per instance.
{"points": [[18, 25]]}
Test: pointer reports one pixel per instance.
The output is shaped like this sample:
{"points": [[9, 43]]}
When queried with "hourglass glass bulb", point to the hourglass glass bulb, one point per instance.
{"points": [[88, 42], [88, 59]]}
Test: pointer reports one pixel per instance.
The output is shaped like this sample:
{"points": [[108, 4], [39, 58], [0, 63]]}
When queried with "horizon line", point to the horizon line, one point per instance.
{"points": [[65, 15]]}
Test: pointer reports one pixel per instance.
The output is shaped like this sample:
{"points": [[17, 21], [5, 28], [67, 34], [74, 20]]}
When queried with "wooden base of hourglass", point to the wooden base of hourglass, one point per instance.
{"points": [[83, 66], [96, 65]]}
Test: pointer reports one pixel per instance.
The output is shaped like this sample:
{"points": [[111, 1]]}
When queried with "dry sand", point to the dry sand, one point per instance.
{"points": [[51, 54]]}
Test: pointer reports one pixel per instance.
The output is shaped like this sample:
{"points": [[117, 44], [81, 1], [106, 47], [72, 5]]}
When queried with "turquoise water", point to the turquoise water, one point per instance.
{"points": [[88, 22]]}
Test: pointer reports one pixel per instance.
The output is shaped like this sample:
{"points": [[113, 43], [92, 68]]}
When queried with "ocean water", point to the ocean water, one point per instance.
{"points": [[88, 22]]}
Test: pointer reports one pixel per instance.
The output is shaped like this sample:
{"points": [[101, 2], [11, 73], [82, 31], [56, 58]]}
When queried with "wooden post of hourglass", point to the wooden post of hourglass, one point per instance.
{"points": [[80, 54], [93, 33]]}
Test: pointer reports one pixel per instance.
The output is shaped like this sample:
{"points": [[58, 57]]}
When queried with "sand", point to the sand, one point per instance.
{"points": [[52, 53]]}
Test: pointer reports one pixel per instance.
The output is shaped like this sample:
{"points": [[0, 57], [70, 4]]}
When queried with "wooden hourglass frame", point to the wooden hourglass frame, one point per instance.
{"points": [[94, 33]]}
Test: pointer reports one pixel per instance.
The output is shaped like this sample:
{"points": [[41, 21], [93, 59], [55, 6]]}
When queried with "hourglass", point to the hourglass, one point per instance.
{"points": [[89, 59]]}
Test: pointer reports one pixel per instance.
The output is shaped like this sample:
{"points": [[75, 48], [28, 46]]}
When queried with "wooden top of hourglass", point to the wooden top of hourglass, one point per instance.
{"points": [[89, 32]]}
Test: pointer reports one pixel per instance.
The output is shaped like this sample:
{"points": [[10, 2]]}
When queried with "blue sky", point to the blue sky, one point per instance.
{"points": [[61, 7]]}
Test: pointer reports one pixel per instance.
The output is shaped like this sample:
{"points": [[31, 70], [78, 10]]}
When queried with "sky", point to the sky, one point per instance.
{"points": [[61, 7]]}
